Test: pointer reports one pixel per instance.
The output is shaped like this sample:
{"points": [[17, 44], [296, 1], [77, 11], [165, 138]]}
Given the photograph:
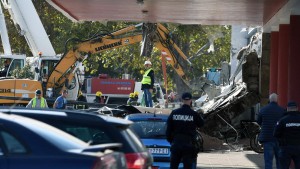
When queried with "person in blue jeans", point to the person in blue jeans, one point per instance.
{"points": [[148, 83], [267, 119], [287, 131]]}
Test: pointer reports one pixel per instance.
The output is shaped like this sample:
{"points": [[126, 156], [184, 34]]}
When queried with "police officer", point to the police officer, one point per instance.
{"points": [[287, 131], [38, 101], [181, 132]]}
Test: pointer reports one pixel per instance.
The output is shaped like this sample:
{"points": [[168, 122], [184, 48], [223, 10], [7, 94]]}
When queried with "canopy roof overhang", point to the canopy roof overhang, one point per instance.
{"points": [[205, 12]]}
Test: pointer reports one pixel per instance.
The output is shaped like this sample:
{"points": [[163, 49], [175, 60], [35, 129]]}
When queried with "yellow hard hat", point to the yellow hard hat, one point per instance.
{"points": [[99, 93], [131, 95], [136, 93]]}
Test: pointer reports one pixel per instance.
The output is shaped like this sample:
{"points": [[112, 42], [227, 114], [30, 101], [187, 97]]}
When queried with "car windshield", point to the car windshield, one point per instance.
{"points": [[150, 129]]}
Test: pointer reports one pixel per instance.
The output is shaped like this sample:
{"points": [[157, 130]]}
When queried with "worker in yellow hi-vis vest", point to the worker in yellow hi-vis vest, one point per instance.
{"points": [[148, 83], [38, 101]]}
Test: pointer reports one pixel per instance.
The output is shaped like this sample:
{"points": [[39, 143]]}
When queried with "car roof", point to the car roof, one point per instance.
{"points": [[145, 116], [43, 130], [65, 112], [117, 129]]}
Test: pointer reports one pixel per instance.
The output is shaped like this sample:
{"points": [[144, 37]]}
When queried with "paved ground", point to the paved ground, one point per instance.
{"points": [[228, 159]]}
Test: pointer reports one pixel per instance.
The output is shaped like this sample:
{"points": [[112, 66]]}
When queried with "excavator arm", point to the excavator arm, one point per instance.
{"points": [[167, 45], [65, 68], [68, 63]]}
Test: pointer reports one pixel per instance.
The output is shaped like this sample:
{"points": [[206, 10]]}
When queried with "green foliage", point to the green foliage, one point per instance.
{"points": [[23, 73], [17, 42]]}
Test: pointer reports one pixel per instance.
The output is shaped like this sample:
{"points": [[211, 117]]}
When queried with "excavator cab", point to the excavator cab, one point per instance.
{"points": [[10, 63]]}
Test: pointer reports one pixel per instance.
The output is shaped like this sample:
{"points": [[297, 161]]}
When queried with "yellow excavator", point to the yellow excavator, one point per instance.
{"points": [[150, 34], [63, 76]]}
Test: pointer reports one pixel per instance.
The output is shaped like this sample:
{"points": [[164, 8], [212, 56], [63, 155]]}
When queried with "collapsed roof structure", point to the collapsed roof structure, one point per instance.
{"points": [[237, 99]]}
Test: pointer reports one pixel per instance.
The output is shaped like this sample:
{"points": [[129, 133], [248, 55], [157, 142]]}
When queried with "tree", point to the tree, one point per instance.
{"points": [[23, 73]]}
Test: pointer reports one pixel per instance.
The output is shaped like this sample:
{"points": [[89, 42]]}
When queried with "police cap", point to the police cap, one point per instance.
{"points": [[292, 104], [186, 96]]}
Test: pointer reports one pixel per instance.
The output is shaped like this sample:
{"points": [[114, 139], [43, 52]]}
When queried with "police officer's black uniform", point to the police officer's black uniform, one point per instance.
{"points": [[287, 131], [181, 132]]}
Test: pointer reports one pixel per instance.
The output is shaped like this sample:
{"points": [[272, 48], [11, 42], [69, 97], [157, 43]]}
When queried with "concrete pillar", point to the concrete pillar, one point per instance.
{"points": [[283, 54], [274, 62], [265, 69], [294, 60]]}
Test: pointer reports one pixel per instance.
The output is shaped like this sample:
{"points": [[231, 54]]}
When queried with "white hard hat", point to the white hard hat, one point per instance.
{"points": [[147, 62]]}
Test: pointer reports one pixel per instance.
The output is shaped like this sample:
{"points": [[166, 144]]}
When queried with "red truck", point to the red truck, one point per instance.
{"points": [[116, 91]]}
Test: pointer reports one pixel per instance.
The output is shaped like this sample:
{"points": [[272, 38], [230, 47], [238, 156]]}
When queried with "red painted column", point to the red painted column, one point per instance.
{"points": [[294, 60], [283, 55], [274, 62]]}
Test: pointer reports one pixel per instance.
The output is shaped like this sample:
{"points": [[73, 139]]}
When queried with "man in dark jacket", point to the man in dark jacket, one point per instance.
{"points": [[287, 131], [181, 132], [267, 119]]}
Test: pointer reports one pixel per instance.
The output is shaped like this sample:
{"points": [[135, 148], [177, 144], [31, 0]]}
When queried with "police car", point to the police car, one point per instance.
{"points": [[151, 128]]}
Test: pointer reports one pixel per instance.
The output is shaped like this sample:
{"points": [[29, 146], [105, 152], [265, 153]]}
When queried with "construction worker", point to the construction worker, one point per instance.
{"points": [[136, 94], [154, 95], [99, 98], [81, 98], [61, 101], [38, 101], [148, 83], [133, 98]]}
